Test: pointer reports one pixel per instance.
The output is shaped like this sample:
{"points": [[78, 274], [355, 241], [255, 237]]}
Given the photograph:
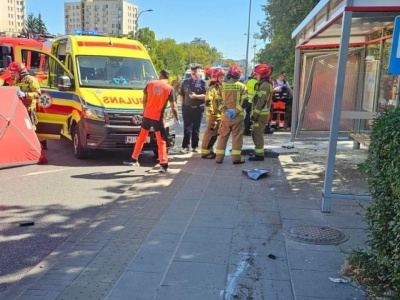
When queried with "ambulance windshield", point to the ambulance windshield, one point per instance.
{"points": [[114, 72]]}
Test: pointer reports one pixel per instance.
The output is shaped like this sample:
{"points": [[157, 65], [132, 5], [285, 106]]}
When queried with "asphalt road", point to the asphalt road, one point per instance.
{"points": [[58, 197]]}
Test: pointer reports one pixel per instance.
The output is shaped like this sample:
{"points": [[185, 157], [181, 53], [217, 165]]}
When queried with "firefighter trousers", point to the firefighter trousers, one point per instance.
{"points": [[257, 134], [228, 126], [210, 134]]}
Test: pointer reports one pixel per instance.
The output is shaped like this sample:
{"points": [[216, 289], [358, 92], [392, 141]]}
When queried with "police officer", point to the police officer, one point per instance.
{"points": [[29, 91], [213, 115], [260, 109], [155, 97], [192, 95], [233, 95]]}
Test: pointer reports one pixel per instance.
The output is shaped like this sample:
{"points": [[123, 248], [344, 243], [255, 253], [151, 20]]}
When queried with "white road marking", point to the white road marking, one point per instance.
{"points": [[45, 172]]}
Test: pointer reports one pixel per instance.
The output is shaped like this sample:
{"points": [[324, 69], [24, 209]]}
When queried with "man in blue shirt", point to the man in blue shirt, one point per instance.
{"points": [[192, 95]]}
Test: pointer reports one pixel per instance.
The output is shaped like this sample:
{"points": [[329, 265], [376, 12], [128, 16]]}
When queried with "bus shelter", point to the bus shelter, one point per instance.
{"points": [[341, 79]]}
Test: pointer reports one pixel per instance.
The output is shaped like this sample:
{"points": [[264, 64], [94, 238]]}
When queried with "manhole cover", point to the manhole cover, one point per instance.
{"points": [[320, 235]]}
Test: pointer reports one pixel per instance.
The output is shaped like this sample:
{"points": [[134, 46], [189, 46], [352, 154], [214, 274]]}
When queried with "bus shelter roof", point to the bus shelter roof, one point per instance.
{"points": [[323, 26]]}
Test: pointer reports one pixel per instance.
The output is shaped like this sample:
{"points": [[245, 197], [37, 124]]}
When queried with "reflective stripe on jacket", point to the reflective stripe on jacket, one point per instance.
{"points": [[233, 94], [262, 101]]}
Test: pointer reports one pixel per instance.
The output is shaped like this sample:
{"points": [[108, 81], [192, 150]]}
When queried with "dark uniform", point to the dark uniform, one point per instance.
{"points": [[192, 110]]}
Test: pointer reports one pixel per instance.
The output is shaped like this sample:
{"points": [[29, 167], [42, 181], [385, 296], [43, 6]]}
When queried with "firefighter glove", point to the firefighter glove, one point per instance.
{"points": [[230, 113], [21, 94], [254, 116]]}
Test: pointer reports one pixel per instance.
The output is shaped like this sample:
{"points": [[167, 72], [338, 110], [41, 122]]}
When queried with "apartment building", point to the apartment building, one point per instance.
{"points": [[12, 17], [114, 17]]}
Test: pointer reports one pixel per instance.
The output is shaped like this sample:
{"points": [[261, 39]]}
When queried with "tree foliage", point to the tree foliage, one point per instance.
{"points": [[378, 267], [281, 18], [170, 55], [34, 25]]}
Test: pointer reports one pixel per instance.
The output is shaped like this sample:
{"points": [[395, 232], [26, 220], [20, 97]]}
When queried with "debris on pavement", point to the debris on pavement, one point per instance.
{"points": [[256, 173], [338, 280], [24, 224]]}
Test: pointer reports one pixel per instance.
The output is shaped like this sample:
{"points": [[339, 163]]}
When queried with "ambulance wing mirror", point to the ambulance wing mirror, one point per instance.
{"points": [[64, 83]]}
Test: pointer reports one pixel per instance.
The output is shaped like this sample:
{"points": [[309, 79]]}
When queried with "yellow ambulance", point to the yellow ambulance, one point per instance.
{"points": [[92, 92]]}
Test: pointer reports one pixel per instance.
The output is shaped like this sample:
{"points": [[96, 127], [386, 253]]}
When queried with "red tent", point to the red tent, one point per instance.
{"points": [[19, 144]]}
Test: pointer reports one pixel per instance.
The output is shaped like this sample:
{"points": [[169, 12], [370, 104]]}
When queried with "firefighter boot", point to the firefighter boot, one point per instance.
{"points": [[256, 158]]}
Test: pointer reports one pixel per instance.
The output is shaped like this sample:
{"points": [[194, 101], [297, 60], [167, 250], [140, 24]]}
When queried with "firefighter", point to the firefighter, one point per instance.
{"points": [[233, 95], [250, 84], [281, 94], [213, 115], [29, 91], [155, 97], [208, 74], [260, 109]]}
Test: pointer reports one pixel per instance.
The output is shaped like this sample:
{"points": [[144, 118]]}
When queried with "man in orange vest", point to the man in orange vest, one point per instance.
{"points": [[155, 97]]}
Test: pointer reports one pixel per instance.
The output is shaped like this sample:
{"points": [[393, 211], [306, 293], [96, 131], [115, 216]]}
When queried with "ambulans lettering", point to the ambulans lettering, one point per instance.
{"points": [[122, 100]]}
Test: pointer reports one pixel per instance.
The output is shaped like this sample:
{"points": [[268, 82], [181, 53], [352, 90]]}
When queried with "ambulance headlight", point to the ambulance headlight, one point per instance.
{"points": [[93, 113]]}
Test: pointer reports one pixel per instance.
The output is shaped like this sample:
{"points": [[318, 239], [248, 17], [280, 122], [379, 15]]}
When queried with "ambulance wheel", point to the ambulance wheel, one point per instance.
{"points": [[155, 152], [79, 151]]}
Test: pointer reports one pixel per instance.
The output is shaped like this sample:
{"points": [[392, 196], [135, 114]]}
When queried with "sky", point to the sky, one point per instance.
{"points": [[222, 23]]}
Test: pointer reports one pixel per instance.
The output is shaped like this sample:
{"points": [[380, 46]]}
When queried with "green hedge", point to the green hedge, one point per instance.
{"points": [[379, 267]]}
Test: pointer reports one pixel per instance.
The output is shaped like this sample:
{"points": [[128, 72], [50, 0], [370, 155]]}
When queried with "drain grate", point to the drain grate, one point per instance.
{"points": [[320, 235]]}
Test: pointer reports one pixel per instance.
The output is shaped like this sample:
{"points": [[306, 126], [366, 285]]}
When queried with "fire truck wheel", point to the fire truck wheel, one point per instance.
{"points": [[79, 151]]}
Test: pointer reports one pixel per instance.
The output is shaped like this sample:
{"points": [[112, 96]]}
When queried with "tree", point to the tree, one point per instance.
{"points": [[282, 17], [30, 25], [34, 25], [40, 26], [148, 38], [170, 55]]}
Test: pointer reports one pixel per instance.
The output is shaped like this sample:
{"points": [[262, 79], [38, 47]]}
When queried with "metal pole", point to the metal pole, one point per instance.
{"points": [[248, 41], [337, 110], [137, 21]]}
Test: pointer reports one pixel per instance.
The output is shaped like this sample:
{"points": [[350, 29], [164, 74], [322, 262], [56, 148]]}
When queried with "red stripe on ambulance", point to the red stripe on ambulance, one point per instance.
{"points": [[104, 44]]}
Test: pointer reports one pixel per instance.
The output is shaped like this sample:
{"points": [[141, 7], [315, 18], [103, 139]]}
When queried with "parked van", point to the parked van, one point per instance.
{"points": [[92, 93]]}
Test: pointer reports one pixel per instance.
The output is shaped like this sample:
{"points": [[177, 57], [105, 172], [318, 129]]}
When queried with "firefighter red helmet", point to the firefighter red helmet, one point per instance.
{"points": [[235, 71], [17, 67], [263, 70], [208, 70], [217, 72]]}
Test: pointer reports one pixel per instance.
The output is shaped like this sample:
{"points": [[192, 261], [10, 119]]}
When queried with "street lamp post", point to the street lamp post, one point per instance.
{"points": [[137, 21], [255, 50], [247, 45]]}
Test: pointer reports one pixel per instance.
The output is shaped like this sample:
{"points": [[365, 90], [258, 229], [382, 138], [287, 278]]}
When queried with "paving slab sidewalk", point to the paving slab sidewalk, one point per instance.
{"points": [[207, 231]]}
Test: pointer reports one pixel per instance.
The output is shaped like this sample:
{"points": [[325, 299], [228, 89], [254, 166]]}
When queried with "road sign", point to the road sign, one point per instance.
{"points": [[394, 60]]}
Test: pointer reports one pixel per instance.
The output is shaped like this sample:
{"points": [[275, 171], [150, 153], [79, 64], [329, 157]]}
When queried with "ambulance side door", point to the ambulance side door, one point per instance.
{"points": [[56, 105]]}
